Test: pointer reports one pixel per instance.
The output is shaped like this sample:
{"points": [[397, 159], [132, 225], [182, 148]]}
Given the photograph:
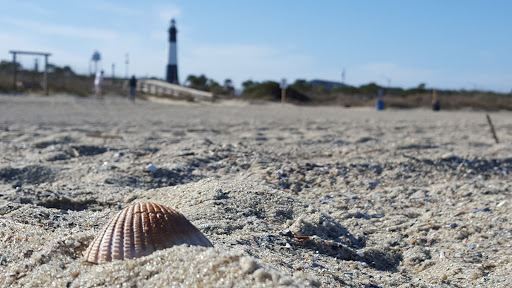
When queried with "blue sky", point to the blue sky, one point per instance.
{"points": [[446, 44]]}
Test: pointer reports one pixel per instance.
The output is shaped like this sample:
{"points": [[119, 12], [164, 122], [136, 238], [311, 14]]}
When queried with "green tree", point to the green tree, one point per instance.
{"points": [[197, 82], [215, 87], [8, 66], [268, 90], [64, 70], [302, 85], [248, 84], [370, 89], [228, 86], [350, 90]]}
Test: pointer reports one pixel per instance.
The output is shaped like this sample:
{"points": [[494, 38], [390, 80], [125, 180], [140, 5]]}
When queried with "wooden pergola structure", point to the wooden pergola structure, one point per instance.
{"points": [[45, 77]]}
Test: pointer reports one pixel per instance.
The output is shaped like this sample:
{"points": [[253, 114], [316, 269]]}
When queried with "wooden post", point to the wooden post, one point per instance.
{"points": [[492, 129], [45, 78], [283, 91], [113, 68], [436, 105], [14, 68]]}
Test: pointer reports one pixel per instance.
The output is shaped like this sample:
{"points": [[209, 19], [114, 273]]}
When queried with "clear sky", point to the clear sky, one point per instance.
{"points": [[451, 44]]}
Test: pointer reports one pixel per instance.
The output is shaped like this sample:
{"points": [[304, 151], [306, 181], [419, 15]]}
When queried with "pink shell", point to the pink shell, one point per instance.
{"points": [[141, 229]]}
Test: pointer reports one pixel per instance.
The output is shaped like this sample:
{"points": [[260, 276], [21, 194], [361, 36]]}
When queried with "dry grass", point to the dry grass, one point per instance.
{"points": [[450, 102], [483, 101], [29, 82]]}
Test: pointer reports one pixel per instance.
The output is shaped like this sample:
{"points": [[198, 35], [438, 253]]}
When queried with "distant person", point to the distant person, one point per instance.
{"points": [[133, 86], [98, 81]]}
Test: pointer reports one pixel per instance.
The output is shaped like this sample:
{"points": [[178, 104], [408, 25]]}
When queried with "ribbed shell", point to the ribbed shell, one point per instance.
{"points": [[141, 229]]}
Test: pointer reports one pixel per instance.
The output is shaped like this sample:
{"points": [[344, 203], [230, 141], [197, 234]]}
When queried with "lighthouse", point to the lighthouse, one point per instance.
{"points": [[172, 66]]}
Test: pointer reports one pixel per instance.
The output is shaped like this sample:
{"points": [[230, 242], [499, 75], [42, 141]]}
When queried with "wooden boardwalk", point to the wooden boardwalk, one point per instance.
{"points": [[164, 89]]}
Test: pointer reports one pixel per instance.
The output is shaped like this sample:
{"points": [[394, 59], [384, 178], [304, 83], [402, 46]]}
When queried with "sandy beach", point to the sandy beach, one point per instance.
{"points": [[288, 195]]}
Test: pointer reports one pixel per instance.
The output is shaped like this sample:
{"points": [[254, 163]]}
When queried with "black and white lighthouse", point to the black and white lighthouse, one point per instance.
{"points": [[172, 66]]}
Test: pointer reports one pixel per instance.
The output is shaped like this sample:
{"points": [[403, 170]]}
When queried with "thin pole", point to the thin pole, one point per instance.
{"points": [[14, 68], [45, 79], [113, 68], [283, 90], [492, 129]]}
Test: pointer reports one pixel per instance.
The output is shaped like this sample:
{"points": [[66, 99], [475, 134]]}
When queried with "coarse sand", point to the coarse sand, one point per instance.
{"points": [[288, 195]]}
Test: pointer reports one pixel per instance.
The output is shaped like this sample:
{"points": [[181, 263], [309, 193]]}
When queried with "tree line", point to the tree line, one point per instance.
{"points": [[302, 90]]}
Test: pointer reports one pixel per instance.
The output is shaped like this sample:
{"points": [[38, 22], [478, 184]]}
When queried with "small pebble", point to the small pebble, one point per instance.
{"points": [[448, 156], [151, 168]]}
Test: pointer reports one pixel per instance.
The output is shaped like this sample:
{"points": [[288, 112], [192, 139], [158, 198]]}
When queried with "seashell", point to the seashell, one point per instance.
{"points": [[141, 229]]}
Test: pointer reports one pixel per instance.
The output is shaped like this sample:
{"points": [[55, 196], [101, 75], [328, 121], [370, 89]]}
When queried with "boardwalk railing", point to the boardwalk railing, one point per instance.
{"points": [[164, 89]]}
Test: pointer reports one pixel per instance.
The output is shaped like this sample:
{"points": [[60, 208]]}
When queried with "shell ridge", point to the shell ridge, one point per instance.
{"points": [[150, 232], [140, 242], [161, 222], [94, 247], [116, 249], [105, 250], [90, 249], [129, 248]]}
